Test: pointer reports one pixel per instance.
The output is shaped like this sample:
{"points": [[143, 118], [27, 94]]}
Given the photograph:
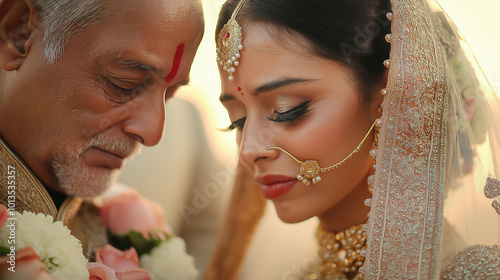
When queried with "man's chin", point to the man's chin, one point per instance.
{"points": [[87, 193], [87, 183]]}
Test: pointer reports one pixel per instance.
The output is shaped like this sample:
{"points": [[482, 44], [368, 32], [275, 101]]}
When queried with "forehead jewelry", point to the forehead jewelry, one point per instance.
{"points": [[310, 169], [229, 43]]}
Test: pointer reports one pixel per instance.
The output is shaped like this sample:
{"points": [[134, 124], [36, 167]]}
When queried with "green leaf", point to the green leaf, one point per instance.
{"points": [[135, 239], [4, 251]]}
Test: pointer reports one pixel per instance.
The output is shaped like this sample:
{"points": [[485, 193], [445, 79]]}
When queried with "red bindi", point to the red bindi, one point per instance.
{"points": [[176, 63]]}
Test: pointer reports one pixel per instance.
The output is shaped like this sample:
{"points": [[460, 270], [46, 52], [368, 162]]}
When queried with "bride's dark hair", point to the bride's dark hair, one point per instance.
{"points": [[349, 32]]}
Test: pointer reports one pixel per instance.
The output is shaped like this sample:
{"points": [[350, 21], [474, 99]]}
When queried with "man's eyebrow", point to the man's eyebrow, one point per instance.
{"points": [[138, 65], [279, 83]]}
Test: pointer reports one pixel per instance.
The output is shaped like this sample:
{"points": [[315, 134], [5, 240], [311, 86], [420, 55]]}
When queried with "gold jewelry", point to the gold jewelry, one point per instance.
{"points": [[310, 169], [376, 132], [229, 43], [341, 253], [374, 151], [376, 135]]}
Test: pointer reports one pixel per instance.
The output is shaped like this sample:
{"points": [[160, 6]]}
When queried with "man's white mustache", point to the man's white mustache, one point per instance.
{"points": [[123, 146]]}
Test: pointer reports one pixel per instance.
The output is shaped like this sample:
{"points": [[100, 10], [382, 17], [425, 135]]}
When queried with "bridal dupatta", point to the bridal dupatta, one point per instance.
{"points": [[436, 150], [438, 145]]}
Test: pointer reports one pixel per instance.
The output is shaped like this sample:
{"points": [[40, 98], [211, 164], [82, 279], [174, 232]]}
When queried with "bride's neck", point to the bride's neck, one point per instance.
{"points": [[349, 211]]}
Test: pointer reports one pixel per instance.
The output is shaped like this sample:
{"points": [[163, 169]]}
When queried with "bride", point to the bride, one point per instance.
{"points": [[371, 117]]}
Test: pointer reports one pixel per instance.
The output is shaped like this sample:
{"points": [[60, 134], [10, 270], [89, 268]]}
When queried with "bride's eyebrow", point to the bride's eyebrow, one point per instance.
{"points": [[279, 83], [226, 97], [270, 86]]}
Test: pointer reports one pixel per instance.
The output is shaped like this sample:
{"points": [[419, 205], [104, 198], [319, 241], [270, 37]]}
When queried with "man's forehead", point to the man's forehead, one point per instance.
{"points": [[177, 18], [131, 38], [143, 63], [171, 11], [138, 41]]}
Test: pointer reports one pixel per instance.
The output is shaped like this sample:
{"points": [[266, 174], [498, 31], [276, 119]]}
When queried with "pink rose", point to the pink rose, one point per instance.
{"points": [[4, 214], [137, 274], [99, 271], [130, 211], [27, 266], [116, 259], [123, 265]]}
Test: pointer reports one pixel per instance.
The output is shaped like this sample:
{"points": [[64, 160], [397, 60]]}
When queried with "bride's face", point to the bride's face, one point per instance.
{"points": [[284, 96]]}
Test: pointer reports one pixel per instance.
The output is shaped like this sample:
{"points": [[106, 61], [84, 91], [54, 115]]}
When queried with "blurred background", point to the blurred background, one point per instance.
{"points": [[190, 172]]}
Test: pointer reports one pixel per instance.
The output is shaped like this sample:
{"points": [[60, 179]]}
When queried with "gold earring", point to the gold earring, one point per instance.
{"points": [[229, 44], [310, 169], [376, 135], [374, 151]]}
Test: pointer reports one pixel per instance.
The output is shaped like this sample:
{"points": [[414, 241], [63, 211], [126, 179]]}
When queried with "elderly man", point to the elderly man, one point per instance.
{"points": [[82, 85]]}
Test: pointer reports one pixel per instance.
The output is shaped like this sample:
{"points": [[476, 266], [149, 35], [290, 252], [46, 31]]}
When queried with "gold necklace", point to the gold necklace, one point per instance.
{"points": [[340, 253]]}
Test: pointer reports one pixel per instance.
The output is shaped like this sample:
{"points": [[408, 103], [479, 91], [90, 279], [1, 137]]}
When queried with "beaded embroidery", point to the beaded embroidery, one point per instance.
{"points": [[405, 221], [492, 188], [475, 262]]}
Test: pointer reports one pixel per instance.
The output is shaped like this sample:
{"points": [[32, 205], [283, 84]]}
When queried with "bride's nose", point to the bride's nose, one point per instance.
{"points": [[255, 139]]}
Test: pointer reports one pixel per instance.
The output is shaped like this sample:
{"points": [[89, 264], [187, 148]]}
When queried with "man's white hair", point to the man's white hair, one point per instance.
{"points": [[63, 18]]}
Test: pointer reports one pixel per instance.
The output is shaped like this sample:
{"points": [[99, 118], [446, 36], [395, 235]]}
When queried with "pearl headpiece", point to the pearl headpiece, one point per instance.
{"points": [[229, 43]]}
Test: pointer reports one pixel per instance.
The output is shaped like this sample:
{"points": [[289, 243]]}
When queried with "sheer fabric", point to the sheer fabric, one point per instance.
{"points": [[437, 147], [438, 144]]}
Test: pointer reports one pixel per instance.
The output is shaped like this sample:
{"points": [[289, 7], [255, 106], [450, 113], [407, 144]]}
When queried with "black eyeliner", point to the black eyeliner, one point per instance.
{"points": [[238, 124], [292, 114]]}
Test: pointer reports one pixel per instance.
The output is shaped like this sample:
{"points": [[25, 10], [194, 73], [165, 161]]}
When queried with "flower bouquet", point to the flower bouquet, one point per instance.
{"points": [[142, 246], [35, 247], [136, 223]]}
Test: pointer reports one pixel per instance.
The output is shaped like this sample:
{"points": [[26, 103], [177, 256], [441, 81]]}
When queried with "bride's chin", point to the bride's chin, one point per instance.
{"points": [[291, 215]]}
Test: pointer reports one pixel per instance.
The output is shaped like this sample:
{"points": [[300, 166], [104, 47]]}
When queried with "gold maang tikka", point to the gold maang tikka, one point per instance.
{"points": [[229, 43], [310, 169]]}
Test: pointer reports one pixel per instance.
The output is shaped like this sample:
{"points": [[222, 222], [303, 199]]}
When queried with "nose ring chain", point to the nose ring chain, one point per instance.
{"points": [[310, 169]]}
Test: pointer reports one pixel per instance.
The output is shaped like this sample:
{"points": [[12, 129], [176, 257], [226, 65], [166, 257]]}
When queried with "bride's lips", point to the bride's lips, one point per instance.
{"points": [[274, 186]]}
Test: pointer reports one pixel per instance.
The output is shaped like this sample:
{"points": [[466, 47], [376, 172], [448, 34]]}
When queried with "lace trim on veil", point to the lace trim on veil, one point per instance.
{"points": [[404, 230]]}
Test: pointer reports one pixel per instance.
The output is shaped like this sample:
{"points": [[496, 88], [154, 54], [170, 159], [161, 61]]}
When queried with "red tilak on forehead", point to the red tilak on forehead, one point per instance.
{"points": [[176, 64]]}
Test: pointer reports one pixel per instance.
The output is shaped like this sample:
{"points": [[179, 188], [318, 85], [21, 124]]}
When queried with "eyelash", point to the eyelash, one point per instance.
{"points": [[121, 95], [293, 114], [288, 116], [123, 91], [236, 125]]}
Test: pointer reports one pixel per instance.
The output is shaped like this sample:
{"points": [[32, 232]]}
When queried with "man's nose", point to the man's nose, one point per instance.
{"points": [[147, 117]]}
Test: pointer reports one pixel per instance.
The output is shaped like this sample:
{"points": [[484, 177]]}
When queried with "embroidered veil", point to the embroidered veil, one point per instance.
{"points": [[438, 145]]}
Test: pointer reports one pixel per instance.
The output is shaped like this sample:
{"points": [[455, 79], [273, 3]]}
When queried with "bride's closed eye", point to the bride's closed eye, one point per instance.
{"points": [[236, 124], [293, 114], [288, 116]]}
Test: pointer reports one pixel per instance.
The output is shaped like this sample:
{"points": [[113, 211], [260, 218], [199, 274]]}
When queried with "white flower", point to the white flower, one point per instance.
{"points": [[61, 253], [170, 261]]}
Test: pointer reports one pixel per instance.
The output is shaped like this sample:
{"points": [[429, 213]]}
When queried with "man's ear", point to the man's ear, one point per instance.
{"points": [[18, 20]]}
